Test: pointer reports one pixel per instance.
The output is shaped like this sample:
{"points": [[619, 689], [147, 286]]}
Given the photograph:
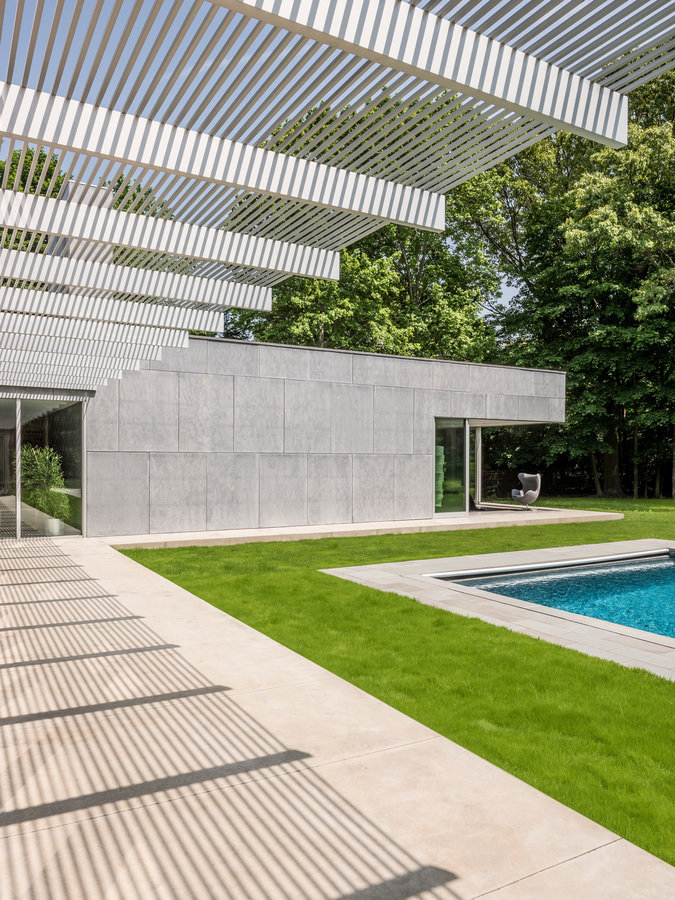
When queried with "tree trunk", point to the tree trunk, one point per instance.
{"points": [[636, 484], [596, 476], [612, 472], [673, 460], [657, 481]]}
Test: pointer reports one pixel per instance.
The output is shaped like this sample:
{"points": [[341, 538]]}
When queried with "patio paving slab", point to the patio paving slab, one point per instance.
{"points": [[170, 751]]}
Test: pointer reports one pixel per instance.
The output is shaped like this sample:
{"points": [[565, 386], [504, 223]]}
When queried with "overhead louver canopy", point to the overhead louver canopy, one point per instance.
{"points": [[166, 159]]}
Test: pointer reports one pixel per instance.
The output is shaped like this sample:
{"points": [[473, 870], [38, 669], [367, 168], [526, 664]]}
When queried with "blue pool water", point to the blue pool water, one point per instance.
{"points": [[638, 593]]}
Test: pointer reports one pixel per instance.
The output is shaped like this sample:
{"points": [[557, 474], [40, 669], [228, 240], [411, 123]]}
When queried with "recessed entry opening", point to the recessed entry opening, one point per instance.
{"points": [[457, 466], [40, 468]]}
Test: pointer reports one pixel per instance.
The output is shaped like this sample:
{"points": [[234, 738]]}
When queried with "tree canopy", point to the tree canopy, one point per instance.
{"points": [[587, 236], [400, 291]]}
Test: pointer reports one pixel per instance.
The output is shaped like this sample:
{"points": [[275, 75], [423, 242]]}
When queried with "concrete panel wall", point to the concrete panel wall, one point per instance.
{"points": [[229, 434]]}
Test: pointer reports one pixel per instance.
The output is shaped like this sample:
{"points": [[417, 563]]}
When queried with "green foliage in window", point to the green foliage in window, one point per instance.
{"points": [[41, 478]]}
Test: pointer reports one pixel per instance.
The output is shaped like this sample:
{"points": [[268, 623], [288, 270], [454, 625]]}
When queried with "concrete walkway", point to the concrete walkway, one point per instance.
{"points": [[490, 516], [153, 747]]}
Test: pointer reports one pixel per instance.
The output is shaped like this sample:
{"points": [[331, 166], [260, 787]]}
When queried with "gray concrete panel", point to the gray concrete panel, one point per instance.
{"points": [[329, 489], [307, 417], [512, 380], [373, 488], [328, 365], [148, 411], [415, 373], [102, 418], [283, 490], [556, 410], [206, 413], [373, 369], [423, 416], [232, 357], [118, 493], [190, 359], [450, 376], [351, 418], [467, 405], [413, 487], [284, 362], [501, 406], [549, 384], [393, 420], [434, 403], [258, 415], [177, 492], [501, 380], [232, 490], [533, 409]]}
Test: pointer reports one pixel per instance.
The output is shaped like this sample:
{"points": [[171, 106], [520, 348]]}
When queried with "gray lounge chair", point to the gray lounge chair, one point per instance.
{"points": [[531, 485]]}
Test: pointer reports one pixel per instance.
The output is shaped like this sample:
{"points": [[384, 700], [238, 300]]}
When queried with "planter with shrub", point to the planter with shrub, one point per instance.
{"points": [[41, 478]]}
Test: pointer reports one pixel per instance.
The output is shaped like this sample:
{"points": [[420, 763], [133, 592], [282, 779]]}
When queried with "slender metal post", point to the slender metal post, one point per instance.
{"points": [[83, 469], [479, 465], [17, 468], [467, 464]]}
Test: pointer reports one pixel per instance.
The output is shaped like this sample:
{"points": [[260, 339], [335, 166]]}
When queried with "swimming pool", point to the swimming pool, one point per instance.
{"points": [[638, 592]]}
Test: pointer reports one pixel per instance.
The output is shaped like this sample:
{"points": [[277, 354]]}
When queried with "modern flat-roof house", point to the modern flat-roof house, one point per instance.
{"points": [[164, 160]]}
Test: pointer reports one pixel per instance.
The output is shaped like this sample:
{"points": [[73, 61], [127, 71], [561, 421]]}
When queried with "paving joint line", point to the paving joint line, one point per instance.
{"points": [[557, 865]]}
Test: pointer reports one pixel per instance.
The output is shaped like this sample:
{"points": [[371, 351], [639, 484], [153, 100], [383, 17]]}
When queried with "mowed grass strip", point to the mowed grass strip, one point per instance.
{"points": [[593, 734]]}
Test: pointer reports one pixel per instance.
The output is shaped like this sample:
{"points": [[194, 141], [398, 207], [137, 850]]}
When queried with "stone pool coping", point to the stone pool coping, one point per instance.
{"points": [[607, 640]]}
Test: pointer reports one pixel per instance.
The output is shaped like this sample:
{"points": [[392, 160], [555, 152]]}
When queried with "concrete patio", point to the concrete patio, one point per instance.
{"points": [[156, 748], [490, 516]]}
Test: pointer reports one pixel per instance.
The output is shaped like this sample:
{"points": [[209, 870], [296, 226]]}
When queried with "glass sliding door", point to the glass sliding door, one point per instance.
{"points": [[451, 466], [7, 468], [476, 465], [51, 468]]}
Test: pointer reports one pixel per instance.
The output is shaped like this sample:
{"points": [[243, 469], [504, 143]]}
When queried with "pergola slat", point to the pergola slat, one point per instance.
{"points": [[45, 268], [113, 227], [29, 115], [97, 309], [408, 39]]}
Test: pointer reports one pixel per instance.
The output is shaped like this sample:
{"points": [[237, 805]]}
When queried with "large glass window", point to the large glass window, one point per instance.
{"points": [[450, 468], [51, 468], [7, 468]]}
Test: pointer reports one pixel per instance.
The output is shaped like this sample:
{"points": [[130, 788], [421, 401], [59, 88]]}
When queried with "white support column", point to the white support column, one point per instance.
{"points": [[407, 39], [478, 463], [83, 470], [467, 464], [102, 225], [29, 115], [17, 467]]}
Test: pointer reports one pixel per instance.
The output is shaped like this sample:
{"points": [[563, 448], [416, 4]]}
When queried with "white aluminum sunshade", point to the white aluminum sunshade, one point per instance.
{"points": [[186, 156]]}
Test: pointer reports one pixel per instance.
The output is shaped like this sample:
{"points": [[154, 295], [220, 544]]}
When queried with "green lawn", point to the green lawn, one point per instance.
{"points": [[594, 735]]}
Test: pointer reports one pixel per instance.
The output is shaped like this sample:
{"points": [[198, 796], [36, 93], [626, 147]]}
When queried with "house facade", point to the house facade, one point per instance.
{"points": [[231, 434]]}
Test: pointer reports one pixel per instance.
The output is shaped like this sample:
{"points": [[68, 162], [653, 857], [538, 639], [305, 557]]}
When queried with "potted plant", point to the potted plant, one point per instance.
{"points": [[41, 481]]}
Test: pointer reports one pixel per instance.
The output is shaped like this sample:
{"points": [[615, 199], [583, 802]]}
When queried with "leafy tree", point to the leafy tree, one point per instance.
{"points": [[400, 291], [353, 312], [586, 234]]}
